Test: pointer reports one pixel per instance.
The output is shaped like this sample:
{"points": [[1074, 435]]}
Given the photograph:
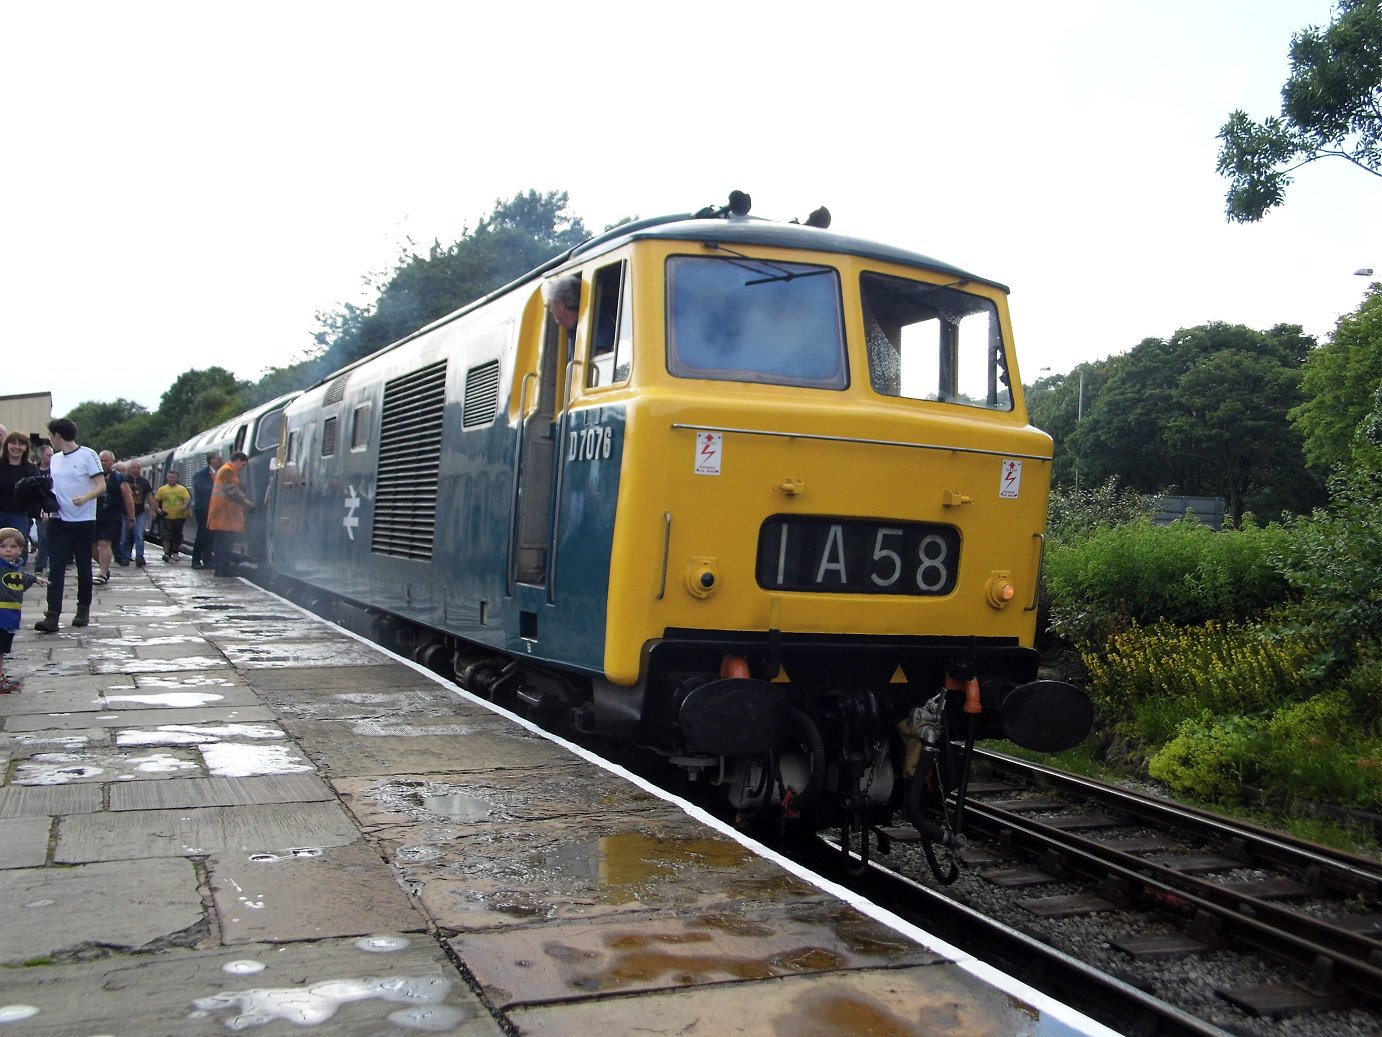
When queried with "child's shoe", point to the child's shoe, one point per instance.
{"points": [[10, 684]]}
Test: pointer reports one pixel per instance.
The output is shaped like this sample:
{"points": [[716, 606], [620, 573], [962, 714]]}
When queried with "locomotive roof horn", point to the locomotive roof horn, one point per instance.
{"points": [[739, 204]]}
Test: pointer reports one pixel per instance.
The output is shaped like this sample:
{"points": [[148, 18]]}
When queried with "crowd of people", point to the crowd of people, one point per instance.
{"points": [[64, 505]]}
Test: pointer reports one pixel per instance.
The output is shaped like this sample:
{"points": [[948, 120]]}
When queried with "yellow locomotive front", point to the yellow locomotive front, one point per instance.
{"points": [[830, 518], [834, 446]]}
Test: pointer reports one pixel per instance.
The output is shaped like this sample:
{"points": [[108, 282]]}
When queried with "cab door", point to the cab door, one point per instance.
{"points": [[541, 399]]}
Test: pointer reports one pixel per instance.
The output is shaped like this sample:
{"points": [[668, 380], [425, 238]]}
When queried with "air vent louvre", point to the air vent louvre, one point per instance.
{"points": [[405, 494]]}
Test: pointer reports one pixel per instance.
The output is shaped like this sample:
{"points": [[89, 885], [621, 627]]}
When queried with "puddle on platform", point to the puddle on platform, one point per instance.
{"points": [[315, 1003], [219, 607], [70, 768], [234, 760], [626, 865], [685, 958], [196, 681], [55, 769], [171, 700], [296, 853], [195, 734], [142, 666], [437, 801], [454, 806], [69, 742], [299, 653], [372, 727], [243, 967], [383, 943], [146, 642]]}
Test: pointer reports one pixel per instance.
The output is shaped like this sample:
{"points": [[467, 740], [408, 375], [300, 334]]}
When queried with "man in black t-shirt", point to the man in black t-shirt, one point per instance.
{"points": [[114, 511]]}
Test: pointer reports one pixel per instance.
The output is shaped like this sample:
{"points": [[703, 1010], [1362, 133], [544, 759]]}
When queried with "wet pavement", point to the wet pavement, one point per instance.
{"points": [[219, 814]]}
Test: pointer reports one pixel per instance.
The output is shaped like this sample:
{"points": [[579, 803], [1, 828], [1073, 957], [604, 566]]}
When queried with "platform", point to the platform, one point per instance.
{"points": [[222, 814]]}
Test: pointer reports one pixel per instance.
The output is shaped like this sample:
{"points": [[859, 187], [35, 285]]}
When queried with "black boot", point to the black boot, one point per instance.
{"points": [[48, 624], [83, 616]]}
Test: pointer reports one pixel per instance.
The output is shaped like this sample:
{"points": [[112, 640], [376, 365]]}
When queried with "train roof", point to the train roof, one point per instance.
{"points": [[750, 230], [716, 225]]}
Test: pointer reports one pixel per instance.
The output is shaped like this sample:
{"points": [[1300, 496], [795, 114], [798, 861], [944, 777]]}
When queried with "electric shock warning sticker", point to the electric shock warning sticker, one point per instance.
{"points": [[1011, 483], [710, 452]]}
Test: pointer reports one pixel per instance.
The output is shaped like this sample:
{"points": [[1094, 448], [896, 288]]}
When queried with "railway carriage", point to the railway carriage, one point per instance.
{"points": [[256, 432], [771, 508]]}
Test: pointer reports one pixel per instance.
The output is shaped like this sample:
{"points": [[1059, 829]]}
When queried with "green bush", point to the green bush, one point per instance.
{"points": [[1207, 758], [1075, 514], [1310, 750], [1184, 573], [1334, 561]]}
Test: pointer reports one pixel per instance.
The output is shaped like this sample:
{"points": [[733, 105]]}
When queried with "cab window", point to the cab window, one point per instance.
{"points": [[611, 339], [929, 342], [750, 320]]}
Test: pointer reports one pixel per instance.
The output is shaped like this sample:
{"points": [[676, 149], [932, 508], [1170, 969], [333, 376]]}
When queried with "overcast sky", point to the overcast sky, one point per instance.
{"points": [[191, 184]]}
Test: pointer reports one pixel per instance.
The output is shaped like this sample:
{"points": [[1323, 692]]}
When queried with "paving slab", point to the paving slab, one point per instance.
{"points": [[139, 834], [560, 962], [294, 654], [196, 734], [24, 841], [913, 1002], [388, 985], [383, 706], [591, 866], [341, 752], [182, 664], [130, 717], [179, 793], [77, 696], [308, 895], [503, 797], [330, 678], [56, 913], [19, 742], [51, 801], [104, 765]]}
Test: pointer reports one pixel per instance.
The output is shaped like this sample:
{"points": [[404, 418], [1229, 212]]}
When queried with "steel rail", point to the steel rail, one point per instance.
{"points": [[1355, 959], [1248, 842]]}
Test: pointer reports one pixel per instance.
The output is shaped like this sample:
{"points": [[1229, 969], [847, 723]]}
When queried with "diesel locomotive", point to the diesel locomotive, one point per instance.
{"points": [[764, 501]]}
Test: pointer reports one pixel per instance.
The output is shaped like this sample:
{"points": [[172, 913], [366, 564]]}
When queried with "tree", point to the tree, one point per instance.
{"points": [[1202, 413], [1331, 107], [517, 236], [1340, 383], [1057, 405], [141, 434], [1231, 411], [199, 400], [95, 420]]}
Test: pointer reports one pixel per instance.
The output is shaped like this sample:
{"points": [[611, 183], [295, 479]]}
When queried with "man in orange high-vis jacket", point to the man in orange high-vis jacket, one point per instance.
{"points": [[226, 518]]}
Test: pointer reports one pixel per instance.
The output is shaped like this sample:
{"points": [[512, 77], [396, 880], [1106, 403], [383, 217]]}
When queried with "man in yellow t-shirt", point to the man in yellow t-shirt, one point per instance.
{"points": [[172, 503]]}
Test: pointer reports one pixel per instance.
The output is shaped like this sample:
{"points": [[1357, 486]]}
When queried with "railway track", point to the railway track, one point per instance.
{"points": [[1154, 917]]}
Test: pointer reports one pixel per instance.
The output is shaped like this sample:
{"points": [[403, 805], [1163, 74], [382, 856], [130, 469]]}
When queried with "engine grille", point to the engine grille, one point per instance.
{"points": [[405, 499]]}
